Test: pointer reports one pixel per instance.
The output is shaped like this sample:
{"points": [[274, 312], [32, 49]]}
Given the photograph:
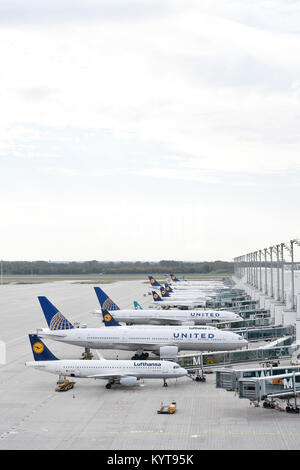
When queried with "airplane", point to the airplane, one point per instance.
{"points": [[123, 372], [194, 284], [166, 317], [184, 304], [186, 288], [164, 341], [183, 295]]}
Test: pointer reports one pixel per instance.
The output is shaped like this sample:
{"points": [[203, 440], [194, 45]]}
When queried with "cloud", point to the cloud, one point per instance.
{"points": [[132, 97]]}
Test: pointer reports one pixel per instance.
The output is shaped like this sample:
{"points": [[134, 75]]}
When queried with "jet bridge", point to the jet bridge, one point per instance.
{"points": [[229, 378], [238, 306], [244, 323], [273, 390], [264, 333], [253, 314], [211, 360]]}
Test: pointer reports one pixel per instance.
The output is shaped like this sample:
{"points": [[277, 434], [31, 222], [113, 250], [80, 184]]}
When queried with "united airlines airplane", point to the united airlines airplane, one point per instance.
{"points": [[126, 373], [163, 317], [164, 341]]}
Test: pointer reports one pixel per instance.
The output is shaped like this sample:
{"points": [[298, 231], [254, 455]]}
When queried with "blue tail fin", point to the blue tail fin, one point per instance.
{"points": [[164, 292], [39, 350], [154, 282], [174, 278], [55, 320], [109, 319], [155, 296], [168, 287], [105, 302], [137, 306]]}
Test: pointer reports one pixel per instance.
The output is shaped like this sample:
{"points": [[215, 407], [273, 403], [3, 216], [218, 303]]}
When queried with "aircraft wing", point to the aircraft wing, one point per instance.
{"points": [[52, 335]]}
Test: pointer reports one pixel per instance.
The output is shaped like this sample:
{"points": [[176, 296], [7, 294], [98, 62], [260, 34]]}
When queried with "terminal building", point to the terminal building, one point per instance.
{"points": [[271, 277]]}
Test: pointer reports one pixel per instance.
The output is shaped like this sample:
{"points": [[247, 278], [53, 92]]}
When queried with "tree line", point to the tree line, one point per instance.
{"points": [[114, 267]]}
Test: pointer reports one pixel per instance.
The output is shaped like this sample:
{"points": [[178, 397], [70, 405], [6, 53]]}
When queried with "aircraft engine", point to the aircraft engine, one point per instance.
{"points": [[128, 381], [168, 352]]}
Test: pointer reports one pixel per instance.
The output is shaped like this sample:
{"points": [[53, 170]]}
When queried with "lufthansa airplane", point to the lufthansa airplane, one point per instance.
{"points": [[126, 373], [196, 284], [184, 304], [163, 317], [181, 295], [164, 341], [184, 289]]}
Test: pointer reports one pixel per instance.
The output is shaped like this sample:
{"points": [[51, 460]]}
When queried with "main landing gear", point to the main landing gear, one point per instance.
{"points": [[165, 383], [109, 384], [140, 356]]}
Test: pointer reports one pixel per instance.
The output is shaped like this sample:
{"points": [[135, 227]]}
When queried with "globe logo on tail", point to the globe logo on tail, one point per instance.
{"points": [[59, 322], [109, 305]]}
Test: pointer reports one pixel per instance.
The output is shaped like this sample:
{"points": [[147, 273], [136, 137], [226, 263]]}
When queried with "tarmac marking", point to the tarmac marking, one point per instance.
{"points": [[199, 434]]}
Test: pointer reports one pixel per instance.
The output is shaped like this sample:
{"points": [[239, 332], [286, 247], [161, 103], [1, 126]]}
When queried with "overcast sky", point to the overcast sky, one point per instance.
{"points": [[148, 130]]}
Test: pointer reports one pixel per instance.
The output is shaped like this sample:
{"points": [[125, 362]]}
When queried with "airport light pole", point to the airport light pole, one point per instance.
{"points": [[290, 249], [282, 271], [266, 284], [271, 260], [255, 269], [277, 269], [251, 269], [260, 281], [247, 267]]}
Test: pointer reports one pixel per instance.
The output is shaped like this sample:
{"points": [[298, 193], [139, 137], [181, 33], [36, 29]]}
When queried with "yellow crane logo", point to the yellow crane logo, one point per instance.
{"points": [[107, 317], [38, 348]]}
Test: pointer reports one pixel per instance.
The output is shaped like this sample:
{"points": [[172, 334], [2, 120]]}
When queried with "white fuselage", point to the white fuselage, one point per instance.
{"points": [[186, 296], [131, 338], [104, 369], [167, 302], [173, 317]]}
